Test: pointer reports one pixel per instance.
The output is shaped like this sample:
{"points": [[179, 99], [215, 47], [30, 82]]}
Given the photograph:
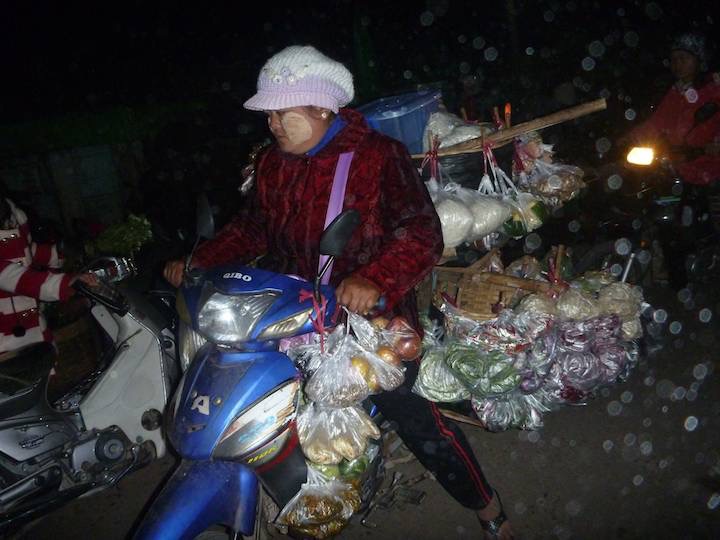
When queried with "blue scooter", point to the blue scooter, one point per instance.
{"points": [[232, 417]]}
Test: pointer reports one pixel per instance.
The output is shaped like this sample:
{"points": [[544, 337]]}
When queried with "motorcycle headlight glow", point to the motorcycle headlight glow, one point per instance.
{"points": [[260, 423], [641, 155], [228, 319], [190, 344], [286, 327]]}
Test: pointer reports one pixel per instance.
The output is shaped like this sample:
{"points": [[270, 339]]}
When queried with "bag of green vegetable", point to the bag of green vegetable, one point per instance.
{"points": [[435, 380], [485, 373], [124, 238]]}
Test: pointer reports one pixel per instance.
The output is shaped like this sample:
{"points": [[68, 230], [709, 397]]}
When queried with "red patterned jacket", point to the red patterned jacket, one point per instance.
{"points": [[23, 281], [399, 239]]}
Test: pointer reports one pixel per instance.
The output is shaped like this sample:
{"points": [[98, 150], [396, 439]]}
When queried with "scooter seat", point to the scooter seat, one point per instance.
{"points": [[23, 400]]}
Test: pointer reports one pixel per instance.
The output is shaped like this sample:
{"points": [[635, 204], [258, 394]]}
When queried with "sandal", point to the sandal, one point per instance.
{"points": [[493, 526]]}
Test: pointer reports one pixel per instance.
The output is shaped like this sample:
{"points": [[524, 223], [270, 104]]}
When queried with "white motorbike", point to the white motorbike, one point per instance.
{"points": [[108, 425]]}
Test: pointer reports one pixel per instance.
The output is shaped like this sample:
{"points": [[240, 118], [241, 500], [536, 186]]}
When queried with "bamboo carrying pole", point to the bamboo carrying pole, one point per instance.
{"points": [[505, 136]]}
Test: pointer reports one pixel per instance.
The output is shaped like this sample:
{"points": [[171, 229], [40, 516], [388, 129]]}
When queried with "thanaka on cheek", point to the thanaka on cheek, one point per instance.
{"points": [[297, 129]]}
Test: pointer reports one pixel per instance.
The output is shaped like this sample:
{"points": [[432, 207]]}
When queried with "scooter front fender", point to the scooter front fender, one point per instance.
{"points": [[201, 494]]}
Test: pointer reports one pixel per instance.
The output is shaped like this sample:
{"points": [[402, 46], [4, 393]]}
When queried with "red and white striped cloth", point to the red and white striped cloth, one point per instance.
{"points": [[25, 279]]}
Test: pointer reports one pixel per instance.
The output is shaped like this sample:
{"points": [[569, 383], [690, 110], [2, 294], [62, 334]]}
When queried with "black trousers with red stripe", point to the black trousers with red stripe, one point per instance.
{"points": [[437, 442]]}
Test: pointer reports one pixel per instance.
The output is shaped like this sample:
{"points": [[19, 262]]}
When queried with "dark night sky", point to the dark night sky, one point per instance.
{"points": [[61, 57]]}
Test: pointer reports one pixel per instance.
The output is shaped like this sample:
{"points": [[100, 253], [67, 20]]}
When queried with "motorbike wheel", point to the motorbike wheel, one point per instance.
{"points": [[264, 529]]}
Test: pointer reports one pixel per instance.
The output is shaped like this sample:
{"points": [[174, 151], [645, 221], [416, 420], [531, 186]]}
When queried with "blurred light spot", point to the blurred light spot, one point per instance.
{"points": [[630, 114], [665, 388], [616, 269], [529, 51], [675, 327], [464, 67], [647, 422], [646, 448], [596, 49], [691, 395], [631, 39], [664, 409], [614, 181], [520, 507], [684, 295], [637, 224], [638, 479], [491, 54], [602, 145], [573, 508], [644, 256], [478, 42], [607, 445], [533, 241], [549, 16], [649, 380], [679, 393], [588, 63], [691, 423], [605, 392], [574, 226], [713, 501], [427, 18], [705, 315], [533, 436], [691, 95], [700, 371], [630, 439], [626, 396], [660, 316], [623, 246], [462, 38], [407, 74], [663, 464], [653, 10], [614, 408], [621, 12]]}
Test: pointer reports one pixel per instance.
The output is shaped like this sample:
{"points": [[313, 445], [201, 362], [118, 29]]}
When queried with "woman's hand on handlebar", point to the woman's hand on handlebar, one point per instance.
{"points": [[173, 272], [358, 294]]}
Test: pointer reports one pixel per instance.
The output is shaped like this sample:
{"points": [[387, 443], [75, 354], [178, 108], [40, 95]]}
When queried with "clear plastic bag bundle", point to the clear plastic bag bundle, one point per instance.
{"points": [[622, 299], [456, 219], [328, 434], [577, 304], [514, 410], [484, 373], [402, 338], [450, 129], [525, 267], [538, 362], [540, 304], [336, 381], [321, 508], [593, 281], [436, 382], [488, 212], [580, 370], [554, 183]]}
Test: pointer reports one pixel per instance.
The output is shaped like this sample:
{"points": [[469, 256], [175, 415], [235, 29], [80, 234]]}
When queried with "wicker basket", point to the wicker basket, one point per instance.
{"points": [[478, 293]]}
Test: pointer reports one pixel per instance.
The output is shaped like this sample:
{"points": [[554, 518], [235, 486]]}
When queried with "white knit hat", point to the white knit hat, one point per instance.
{"points": [[299, 76]]}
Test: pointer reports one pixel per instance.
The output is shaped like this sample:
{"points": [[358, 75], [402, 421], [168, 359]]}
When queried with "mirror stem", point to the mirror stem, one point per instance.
{"points": [[319, 277]]}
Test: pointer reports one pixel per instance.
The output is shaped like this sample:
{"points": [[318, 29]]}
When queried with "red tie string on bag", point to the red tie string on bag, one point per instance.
{"points": [[431, 158], [318, 315]]}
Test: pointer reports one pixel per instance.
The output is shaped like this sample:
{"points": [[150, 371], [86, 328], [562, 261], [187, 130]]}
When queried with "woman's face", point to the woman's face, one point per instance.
{"points": [[684, 65], [298, 129]]}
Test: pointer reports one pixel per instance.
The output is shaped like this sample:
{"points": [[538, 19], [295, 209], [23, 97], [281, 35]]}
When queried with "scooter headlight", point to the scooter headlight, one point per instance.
{"points": [[228, 319], [190, 344], [286, 327], [641, 155], [259, 424]]}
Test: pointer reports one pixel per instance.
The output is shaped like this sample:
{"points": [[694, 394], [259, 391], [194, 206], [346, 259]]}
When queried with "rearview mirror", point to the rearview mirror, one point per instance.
{"points": [[338, 233], [205, 226]]}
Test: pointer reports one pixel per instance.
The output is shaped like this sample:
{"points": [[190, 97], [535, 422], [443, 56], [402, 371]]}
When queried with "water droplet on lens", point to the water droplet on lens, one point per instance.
{"points": [[675, 327], [638, 479], [631, 39], [529, 51], [427, 18], [574, 226], [647, 422], [602, 145], [646, 448], [607, 445], [644, 256], [533, 241], [679, 393], [478, 42], [630, 114], [549, 16], [491, 54], [614, 408], [649, 380], [700, 371], [713, 501], [665, 388], [684, 295], [588, 63], [623, 246], [616, 269], [691, 423], [705, 315], [626, 396], [637, 224], [660, 316], [614, 181], [533, 436]]}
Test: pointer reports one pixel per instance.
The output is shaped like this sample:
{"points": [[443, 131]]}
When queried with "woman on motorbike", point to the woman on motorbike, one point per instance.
{"points": [[688, 117], [303, 93]]}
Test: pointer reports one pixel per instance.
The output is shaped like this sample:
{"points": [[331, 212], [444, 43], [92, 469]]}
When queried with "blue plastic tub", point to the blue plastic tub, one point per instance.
{"points": [[403, 117]]}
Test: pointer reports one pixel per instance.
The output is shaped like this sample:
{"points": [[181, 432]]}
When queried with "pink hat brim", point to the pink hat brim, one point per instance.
{"points": [[276, 101]]}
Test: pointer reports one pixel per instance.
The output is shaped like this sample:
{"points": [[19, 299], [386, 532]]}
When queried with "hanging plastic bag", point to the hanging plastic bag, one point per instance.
{"points": [[403, 338], [514, 410], [456, 219], [488, 212], [336, 382], [436, 382], [322, 507], [328, 434], [622, 299], [577, 304]]}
